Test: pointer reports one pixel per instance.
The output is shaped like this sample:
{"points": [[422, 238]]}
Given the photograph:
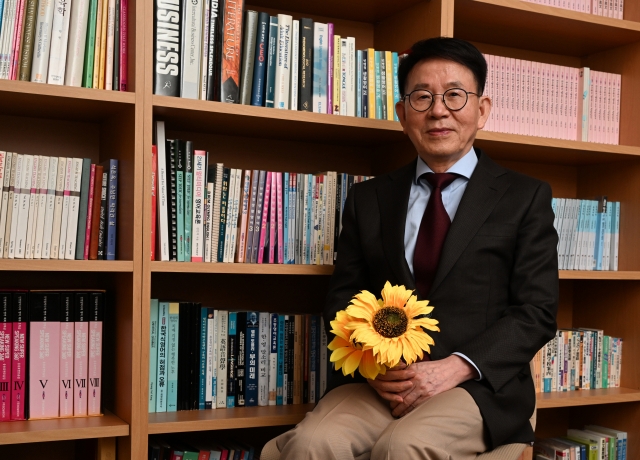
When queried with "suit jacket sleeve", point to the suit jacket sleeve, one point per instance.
{"points": [[505, 347]]}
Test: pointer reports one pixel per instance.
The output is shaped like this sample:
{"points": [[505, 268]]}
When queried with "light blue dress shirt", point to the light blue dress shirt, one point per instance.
{"points": [[451, 196]]}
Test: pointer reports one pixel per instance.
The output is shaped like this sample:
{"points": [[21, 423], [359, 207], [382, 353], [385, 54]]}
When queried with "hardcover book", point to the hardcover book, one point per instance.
{"points": [[161, 385], [222, 363], [192, 13], [241, 325], [153, 353], [83, 209], [173, 341], [216, 10], [305, 85], [251, 358], [20, 316], [67, 353], [96, 319], [81, 354], [248, 56], [264, 348], [232, 365], [6, 332], [320, 66], [273, 360], [167, 54], [188, 199], [199, 187], [230, 55], [163, 194], [260, 60]]}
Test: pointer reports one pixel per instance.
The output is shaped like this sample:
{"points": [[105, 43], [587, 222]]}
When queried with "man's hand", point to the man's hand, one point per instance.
{"points": [[407, 388]]}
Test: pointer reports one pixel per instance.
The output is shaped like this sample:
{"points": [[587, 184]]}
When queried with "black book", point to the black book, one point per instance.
{"points": [[216, 9], [336, 230], [102, 229], [183, 356], [291, 328], [241, 331], [181, 167], [194, 355], [260, 60], [223, 212], [232, 365], [305, 74], [116, 49], [172, 208], [167, 56], [365, 84], [188, 199], [383, 83]]}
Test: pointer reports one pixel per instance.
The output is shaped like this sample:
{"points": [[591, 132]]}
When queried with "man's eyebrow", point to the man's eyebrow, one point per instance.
{"points": [[451, 84]]}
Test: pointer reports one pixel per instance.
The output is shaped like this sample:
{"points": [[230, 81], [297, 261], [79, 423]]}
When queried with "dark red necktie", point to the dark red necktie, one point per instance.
{"points": [[433, 230]]}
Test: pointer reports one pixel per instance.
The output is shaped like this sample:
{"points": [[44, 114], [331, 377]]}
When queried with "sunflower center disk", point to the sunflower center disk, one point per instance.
{"points": [[390, 322]]}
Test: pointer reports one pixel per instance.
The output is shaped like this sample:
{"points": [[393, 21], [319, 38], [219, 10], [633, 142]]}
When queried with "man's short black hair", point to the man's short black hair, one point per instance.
{"points": [[451, 49]]}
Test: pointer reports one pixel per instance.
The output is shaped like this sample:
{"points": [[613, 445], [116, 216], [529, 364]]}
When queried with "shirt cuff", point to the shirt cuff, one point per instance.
{"points": [[470, 362]]}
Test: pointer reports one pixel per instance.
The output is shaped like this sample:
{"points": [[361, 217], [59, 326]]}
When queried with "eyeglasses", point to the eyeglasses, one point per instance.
{"points": [[454, 99]]}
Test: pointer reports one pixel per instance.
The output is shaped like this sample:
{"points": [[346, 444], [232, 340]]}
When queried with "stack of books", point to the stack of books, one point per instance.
{"points": [[220, 214], [608, 8], [578, 359], [50, 354], [589, 233], [594, 442], [205, 358], [51, 41], [57, 208], [161, 448]]}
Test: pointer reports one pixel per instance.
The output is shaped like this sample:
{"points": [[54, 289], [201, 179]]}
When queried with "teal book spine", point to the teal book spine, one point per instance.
{"points": [[606, 341], [173, 339], [231, 361], [153, 354], [271, 62], [188, 199], [82, 214], [87, 71], [396, 87], [600, 227], [180, 204], [378, 86], [285, 211], [280, 378], [161, 400], [202, 372]]}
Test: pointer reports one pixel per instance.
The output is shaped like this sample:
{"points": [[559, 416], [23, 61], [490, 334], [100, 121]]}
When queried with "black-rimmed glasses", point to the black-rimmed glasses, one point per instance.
{"points": [[454, 99]]}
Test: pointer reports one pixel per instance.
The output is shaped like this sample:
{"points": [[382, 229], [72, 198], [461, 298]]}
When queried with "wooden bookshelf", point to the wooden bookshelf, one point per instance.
{"points": [[586, 397], [66, 265], [247, 269]]}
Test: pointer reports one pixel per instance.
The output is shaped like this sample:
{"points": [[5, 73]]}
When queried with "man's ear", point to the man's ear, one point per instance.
{"points": [[484, 107], [401, 114]]}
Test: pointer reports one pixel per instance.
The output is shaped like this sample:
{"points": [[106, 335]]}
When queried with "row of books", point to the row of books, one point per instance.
{"points": [[50, 354], [594, 442], [60, 43], [204, 358], [578, 359], [588, 232], [203, 213], [57, 207], [608, 8], [546, 100], [161, 448]]}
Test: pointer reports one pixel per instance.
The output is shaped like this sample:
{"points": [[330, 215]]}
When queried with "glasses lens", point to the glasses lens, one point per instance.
{"points": [[455, 98], [421, 100]]}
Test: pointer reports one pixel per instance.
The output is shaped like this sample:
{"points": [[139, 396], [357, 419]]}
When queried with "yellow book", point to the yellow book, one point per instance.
{"points": [[103, 42], [337, 69], [96, 52], [371, 72], [389, 66]]}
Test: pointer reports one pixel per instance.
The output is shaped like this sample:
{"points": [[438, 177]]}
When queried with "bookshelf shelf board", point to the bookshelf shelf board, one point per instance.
{"points": [[62, 429], [249, 121], [61, 102], [518, 24], [516, 147], [221, 419], [599, 275], [244, 269], [66, 265], [586, 397]]}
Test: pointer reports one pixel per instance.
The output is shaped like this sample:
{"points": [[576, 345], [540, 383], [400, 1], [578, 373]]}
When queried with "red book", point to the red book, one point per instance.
{"points": [[19, 357], [87, 238], [232, 44], [265, 213], [67, 335], [124, 44], [280, 222], [17, 40], [273, 216], [6, 327], [154, 204], [80, 359], [95, 213], [96, 317]]}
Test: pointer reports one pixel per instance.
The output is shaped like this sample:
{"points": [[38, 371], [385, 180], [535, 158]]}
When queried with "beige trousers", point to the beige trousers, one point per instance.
{"points": [[353, 422]]}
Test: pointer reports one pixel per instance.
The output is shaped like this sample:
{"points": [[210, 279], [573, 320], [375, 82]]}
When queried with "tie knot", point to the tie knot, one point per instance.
{"points": [[440, 180]]}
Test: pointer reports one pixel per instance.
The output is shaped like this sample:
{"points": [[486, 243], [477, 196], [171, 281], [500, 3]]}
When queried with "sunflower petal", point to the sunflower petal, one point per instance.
{"points": [[368, 366], [352, 362], [338, 342], [341, 353]]}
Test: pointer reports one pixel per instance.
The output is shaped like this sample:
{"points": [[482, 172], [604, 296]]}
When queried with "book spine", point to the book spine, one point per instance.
{"points": [[252, 215], [313, 359], [33, 209], [17, 41], [96, 319], [167, 51], [19, 355], [224, 201], [265, 214], [5, 169], [251, 359], [180, 202], [192, 14], [263, 358], [42, 45], [248, 56], [242, 239], [172, 341], [204, 61], [283, 62], [320, 68], [333, 56], [101, 31], [161, 393], [81, 354], [59, 39], [230, 55], [64, 223], [76, 45], [286, 189], [26, 52], [23, 207], [272, 54], [55, 201], [153, 354], [229, 215], [234, 217], [273, 216], [298, 347], [87, 73], [273, 360], [108, 60], [232, 350], [260, 60], [295, 65], [280, 225], [222, 344], [67, 354], [208, 216], [188, 200], [280, 358], [115, 81], [305, 75], [241, 366], [359, 83], [371, 84], [199, 186], [202, 351], [124, 44], [102, 227], [86, 211], [216, 10], [172, 203], [77, 171], [257, 225], [351, 77], [6, 333], [218, 173], [42, 206], [210, 383], [154, 198]]}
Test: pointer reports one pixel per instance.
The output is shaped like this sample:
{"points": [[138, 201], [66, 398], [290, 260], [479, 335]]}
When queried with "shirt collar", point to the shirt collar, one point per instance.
{"points": [[463, 167]]}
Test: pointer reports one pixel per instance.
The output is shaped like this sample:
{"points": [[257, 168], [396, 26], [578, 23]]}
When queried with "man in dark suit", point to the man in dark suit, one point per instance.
{"points": [[476, 240]]}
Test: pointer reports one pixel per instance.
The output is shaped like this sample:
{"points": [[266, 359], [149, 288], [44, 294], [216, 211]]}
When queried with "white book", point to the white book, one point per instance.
{"points": [[59, 40], [5, 170], [227, 233], [332, 214], [38, 234], [205, 52], [320, 64], [330, 189], [237, 195], [42, 44], [208, 225], [192, 13], [74, 209], [283, 62], [343, 76], [199, 190], [23, 207], [33, 207], [49, 207], [584, 84], [64, 220], [12, 204], [76, 44], [111, 22], [264, 334], [61, 176], [162, 193], [208, 394], [351, 77], [221, 342], [295, 59], [273, 359], [606, 251]]}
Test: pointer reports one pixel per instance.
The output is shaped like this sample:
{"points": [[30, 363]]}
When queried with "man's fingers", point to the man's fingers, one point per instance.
{"points": [[391, 387], [392, 375]]}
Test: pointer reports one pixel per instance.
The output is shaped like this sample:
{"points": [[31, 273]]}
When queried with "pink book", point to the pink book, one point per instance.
{"points": [[500, 93], [96, 317], [527, 98], [6, 328], [508, 96], [124, 43], [513, 104], [488, 92], [555, 102], [616, 120], [246, 192], [610, 105], [19, 357], [17, 39], [87, 238], [273, 217], [67, 335], [280, 221], [331, 63], [517, 97], [44, 355], [81, 355], [265, 212]]}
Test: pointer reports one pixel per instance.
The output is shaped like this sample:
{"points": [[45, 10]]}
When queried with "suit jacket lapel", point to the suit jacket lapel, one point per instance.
{"points": [[393, 201], [483, 192]]}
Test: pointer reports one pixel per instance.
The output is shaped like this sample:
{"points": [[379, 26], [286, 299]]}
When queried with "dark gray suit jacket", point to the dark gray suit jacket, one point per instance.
{"points": [[495, 291]]}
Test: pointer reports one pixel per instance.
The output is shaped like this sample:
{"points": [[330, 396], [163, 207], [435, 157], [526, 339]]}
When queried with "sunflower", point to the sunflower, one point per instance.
{"points": [[393, 327]]}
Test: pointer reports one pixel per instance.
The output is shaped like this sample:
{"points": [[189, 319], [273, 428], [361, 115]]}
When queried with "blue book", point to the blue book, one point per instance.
{"points": [[180, 204], [161, 394], [232, 347], [188, 199], [396, 87], [378, 88], [202, 372], [309, 223], [173, 339], [280, 380], [285, 210], [600, 230], [320, 67], [270, 89], [313, 358], [112, 209], [251, 359], [153, 353], [359, 83], [260, 60]]}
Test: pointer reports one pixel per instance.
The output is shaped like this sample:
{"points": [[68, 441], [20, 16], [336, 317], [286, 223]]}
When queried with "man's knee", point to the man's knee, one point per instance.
{"points": [[324, 442]]}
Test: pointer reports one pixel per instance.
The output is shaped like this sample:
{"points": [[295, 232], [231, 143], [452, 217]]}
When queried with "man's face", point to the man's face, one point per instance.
{"points": [[441, 136]]}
